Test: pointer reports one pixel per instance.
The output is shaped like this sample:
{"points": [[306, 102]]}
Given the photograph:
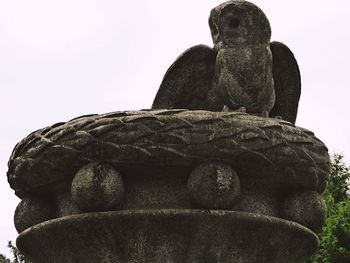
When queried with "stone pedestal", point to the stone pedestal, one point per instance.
{"points": [[169, 186], [168, 236]]}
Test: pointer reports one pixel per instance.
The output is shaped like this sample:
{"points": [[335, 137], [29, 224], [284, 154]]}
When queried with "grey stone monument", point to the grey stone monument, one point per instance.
{"points": [[216, 171]]}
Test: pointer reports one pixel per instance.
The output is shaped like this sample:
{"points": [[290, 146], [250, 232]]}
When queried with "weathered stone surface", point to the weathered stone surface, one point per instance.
{"points": [[98, 187], [196, 236], [306, 208], [31, 211], [156, 151], [65, 204], [282, 153], [214, 185], [259, 201]]}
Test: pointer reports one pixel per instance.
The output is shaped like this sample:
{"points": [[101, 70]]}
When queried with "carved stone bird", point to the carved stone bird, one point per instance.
{"points": [[243, 70]]}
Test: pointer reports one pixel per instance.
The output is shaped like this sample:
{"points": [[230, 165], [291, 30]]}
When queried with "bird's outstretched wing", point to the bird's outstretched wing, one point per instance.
{"points": [[187, 83], [287, 83]]}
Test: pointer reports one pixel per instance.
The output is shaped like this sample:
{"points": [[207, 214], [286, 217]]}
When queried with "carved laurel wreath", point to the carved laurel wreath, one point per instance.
{"points": [[272, 149]]}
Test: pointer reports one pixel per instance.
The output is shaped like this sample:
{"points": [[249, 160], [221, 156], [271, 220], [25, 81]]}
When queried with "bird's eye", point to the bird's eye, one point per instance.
{"points": [[234, 22]]}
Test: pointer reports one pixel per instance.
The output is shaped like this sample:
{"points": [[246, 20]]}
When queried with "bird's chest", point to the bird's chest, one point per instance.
{"points": [[250, 68]]}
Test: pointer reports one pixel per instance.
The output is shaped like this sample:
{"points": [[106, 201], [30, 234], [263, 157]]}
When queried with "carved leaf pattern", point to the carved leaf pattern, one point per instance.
{"points": [[273, 148]]}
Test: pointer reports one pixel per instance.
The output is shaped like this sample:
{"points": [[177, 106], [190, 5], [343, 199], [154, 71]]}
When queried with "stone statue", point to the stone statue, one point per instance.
{"points": [[243, 71], [215, 182]]}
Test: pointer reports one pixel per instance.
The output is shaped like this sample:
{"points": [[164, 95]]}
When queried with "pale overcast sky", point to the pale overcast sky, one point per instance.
{"points": [[61, 59]]}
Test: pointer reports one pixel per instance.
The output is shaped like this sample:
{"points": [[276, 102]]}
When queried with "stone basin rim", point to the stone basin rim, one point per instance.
{"points": [[238, 215], [181, 229]]}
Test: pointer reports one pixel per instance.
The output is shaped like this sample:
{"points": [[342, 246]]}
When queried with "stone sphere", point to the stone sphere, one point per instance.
{"points": [[32, 211], [98, 187], [214, 186], [307, 208]]}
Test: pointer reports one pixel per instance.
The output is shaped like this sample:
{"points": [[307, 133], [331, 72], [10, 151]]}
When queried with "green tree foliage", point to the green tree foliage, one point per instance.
{"points": [[18, 257], [335, 236], [3, 259], [338, 185]]}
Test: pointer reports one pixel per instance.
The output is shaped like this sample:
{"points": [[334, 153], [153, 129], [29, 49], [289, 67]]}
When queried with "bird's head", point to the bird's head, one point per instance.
{"points": [[238, 22]]}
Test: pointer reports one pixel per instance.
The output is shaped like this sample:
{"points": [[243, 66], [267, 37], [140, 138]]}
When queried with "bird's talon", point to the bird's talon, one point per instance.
{"points": [[226, 109], [241, 109], [265, 114]]}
